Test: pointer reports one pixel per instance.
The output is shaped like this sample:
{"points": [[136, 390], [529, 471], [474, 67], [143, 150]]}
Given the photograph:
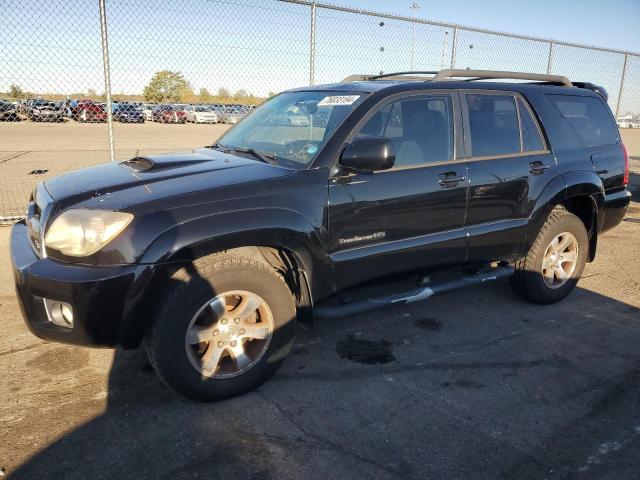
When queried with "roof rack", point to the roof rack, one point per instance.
{"points": [[471, 75]]}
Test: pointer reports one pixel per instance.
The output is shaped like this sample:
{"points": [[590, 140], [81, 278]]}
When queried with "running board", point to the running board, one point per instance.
{"points": [[415, 295]]}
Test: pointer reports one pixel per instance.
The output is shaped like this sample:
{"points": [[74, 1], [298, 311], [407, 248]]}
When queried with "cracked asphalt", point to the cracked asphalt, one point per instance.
{"points": [[474, 384]]}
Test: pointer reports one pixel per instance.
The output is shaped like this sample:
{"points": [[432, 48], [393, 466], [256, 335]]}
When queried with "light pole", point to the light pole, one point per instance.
{"points": [[444, 49], [415, 6]]}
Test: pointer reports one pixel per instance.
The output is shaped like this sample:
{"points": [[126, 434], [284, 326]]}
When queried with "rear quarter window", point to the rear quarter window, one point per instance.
{"points": [[589, 118]]}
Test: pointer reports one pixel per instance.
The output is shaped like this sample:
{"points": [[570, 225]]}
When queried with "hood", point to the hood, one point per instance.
{"points": [[145, 179]]}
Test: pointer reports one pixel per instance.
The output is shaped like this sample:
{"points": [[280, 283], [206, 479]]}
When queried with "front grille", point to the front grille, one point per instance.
{"points": [[38, 212]]}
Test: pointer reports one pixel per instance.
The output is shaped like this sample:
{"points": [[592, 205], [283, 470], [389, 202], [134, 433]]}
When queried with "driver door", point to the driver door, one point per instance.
{"points": [[410, 217]]}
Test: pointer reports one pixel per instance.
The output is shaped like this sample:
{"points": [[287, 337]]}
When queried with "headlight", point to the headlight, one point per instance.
{"points": [[82, 232]]}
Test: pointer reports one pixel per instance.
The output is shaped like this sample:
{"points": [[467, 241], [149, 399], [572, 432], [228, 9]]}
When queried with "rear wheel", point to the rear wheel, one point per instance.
{"points": [[223, 329], [556, 260]]}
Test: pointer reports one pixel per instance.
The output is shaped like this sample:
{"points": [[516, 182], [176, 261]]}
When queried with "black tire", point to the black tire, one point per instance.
{"points": [[187, 292], [528, 280]]}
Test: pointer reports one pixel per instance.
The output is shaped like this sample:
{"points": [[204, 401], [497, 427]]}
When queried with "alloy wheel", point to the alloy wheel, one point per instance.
{"points": [[229, 334], [560, 260]]}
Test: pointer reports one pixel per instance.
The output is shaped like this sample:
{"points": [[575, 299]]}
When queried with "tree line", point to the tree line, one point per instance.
{"points": [[165, 86]]}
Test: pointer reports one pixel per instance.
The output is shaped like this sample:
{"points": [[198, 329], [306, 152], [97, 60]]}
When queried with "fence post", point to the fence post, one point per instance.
{"points": [[549, 61], [453, 47], [312, 46], [107, 75], [624, 72]]}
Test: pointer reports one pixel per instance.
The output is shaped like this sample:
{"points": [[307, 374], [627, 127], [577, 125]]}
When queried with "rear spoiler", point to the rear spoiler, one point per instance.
{"points": [[594, 88]]}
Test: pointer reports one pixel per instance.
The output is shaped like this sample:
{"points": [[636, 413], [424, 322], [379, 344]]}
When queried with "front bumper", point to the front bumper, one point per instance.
{"points": [[98, 295]]}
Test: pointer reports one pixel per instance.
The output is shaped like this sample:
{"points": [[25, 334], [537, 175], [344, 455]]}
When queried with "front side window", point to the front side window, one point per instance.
{"points": [[292, 127], [589, 118], [420, 128], [493, 125]]}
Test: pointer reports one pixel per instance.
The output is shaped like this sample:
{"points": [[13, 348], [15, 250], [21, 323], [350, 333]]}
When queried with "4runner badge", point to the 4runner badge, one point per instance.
{"points": [[362, 238]]}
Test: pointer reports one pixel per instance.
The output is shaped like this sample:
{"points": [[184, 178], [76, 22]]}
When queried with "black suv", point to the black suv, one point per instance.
{"points": [[411, 186]]}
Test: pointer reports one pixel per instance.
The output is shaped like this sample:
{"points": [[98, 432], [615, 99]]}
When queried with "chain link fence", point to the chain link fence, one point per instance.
{"points": [[82, 82]]}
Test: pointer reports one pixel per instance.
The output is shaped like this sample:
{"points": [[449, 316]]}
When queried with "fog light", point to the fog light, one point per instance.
{"points": [[59, 313]]}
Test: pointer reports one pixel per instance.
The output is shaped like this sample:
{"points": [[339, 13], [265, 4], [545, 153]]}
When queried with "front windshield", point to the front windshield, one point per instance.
{"points": [[293, 126]]}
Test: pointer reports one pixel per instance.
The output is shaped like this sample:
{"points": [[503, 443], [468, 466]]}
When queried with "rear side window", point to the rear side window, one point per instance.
{"points": [[531, 139], [589, 117], [493, 124]]}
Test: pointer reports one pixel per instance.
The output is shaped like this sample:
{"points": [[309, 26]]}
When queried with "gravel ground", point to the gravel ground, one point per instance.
{"points": [[471, 384]]}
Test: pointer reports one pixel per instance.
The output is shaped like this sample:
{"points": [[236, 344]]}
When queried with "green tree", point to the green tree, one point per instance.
{"points": [[167, 86], [15, 91]]}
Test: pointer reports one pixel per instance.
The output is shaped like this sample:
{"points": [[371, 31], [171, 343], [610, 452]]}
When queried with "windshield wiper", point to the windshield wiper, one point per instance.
{"points": [[263, 157]]}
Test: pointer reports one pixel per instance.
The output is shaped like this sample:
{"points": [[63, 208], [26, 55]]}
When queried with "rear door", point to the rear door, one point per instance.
{"points": [[509, 166], [411, 216]]}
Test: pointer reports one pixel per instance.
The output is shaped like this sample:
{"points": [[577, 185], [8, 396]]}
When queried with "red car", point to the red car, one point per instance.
{"points": [[168, 114], [89, 111]]}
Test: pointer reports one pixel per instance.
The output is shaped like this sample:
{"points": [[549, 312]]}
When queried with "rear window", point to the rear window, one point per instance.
{"points": [[589, 118], [493, 124]]}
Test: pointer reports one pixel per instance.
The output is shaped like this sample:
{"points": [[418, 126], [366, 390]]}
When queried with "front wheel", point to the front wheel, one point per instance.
{"points": [[223, 328], [556, 260]]}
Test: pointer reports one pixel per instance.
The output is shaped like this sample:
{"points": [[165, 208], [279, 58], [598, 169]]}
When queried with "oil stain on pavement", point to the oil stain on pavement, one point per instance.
{"points": [[368, 352]]}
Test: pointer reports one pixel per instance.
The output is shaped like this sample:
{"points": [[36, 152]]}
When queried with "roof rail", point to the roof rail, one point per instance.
{"points": [[390, 76], [471, 75], [496, 74]]}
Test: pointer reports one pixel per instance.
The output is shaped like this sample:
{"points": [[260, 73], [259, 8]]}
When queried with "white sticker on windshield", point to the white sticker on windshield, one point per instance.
{"points": [[338, 100]]}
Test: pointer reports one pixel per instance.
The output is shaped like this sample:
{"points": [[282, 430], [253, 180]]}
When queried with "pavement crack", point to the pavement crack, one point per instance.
{"points": [[315, 441], [23, 349]]}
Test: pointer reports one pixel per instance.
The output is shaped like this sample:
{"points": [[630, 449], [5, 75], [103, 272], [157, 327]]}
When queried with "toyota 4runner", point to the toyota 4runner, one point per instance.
{"points": [[406, 184]]}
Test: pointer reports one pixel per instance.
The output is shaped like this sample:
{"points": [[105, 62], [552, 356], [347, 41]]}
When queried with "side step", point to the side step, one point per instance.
{"points": [[415, 295]]}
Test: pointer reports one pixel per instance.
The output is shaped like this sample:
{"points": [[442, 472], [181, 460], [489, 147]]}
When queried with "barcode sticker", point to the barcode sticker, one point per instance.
{"points": [[338, 100]]}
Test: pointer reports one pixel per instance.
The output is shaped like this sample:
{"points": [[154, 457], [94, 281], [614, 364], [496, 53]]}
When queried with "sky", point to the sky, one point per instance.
{"points": [[605, 23], [263, 46]]}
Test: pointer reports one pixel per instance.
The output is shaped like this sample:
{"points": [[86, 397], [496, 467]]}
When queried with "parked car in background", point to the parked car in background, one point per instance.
{"points": [[147, 111], [201, 114], [232, 115], [89, 111], [169, 114], [8, 112], [45, 111], [127, 113]]}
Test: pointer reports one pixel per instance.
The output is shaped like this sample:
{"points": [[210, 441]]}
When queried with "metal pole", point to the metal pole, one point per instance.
{"points": [[107, 76], [312, 46], [414, 7], [624, 72], [444, 49], [550, 58], [453, 47]]}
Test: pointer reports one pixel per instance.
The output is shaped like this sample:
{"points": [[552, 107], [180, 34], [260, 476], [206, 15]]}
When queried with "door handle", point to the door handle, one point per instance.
{"points": [[449, 179], [537, 168]]}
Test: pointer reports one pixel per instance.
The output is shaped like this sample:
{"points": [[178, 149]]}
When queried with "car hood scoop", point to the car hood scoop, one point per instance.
{"points": [[146, 164]]}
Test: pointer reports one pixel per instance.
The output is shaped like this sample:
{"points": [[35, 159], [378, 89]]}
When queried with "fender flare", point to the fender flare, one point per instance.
{"points": [[562, 188], [183, 243]]}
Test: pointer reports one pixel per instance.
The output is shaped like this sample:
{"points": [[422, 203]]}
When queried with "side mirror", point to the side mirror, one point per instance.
{"points": [[368, 154]]}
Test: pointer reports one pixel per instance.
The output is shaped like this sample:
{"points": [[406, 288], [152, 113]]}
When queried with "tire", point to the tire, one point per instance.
{"points": [[528, 279], [179, 363]]}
